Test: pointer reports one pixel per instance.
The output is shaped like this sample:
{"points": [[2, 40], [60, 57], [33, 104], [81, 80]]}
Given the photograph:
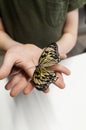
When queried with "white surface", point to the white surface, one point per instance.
{"points": [[58, 110]]}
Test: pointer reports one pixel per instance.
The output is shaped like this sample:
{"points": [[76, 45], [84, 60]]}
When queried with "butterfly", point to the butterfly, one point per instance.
{"points": [[43, 75]]}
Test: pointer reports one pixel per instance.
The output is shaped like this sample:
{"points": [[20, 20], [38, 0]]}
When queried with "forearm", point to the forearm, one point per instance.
{"points": [[69, 37], [66, 43], [6, 41]]}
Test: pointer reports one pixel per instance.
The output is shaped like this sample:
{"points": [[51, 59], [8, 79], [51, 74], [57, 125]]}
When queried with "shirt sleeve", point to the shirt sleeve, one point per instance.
{"points": [[73, 4]]}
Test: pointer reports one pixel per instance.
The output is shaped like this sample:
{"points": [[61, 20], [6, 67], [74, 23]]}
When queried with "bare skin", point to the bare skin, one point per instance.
{"points": [[24, 60]]}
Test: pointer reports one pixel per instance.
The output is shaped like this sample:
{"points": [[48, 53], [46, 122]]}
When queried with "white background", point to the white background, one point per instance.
{"points": [[58, 110]]}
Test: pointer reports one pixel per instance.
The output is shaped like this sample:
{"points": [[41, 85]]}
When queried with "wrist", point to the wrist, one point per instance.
{"points": [[10, 43], [6, 41]]}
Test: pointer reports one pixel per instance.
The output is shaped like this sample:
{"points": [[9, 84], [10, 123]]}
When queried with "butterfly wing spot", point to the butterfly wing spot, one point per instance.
{"points": [[43, 76]]}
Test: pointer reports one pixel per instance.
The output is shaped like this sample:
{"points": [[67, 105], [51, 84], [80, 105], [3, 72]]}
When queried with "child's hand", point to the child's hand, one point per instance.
{"points": [[21, 59], [21, 56], [20, 81], [25, 58]]}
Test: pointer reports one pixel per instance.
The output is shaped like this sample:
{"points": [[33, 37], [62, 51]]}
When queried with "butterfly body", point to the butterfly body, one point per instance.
{"points": [[43, 75]]}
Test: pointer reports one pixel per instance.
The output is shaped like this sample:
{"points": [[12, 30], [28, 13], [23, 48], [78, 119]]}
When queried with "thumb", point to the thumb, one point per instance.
{"points": [[6, 66]]}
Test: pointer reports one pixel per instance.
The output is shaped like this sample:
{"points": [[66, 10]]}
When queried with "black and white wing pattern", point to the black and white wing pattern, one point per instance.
{"points": [[43, 76]]}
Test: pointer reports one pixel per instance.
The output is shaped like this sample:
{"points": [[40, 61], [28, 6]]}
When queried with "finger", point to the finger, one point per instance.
{"points": [[60, 81], [17, 83], [28, 88], [61, 68], [6, 66], [63, 56], [18, 88], [47, 90], [15, 70], [14, 79], [28, 68], [12, 82]]}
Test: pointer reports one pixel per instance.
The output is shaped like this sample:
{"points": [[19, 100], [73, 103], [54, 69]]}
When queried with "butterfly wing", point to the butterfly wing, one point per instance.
{"points": [[50, 56], [43, 77]]}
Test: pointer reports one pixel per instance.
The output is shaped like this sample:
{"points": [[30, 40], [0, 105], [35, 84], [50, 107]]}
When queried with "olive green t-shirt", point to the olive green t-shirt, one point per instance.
{"points": [[36, 21]]}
